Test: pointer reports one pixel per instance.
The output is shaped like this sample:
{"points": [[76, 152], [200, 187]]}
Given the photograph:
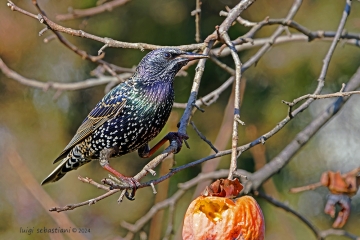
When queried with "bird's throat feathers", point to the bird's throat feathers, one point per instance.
{"points": [[158, 93]]}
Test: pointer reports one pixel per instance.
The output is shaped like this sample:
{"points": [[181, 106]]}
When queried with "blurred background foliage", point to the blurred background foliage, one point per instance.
{"points": [[41, 125]]}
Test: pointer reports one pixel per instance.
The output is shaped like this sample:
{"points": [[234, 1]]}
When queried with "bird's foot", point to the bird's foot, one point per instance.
{"points": [[178, 137], [122, 181], [127, 183]]}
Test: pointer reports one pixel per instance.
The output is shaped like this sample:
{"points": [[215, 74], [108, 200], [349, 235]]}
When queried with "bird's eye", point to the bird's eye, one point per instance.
{"points": [[167, 55]]}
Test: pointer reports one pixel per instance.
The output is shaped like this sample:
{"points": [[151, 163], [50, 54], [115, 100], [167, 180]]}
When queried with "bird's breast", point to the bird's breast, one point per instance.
{"points": [[142, 118]]}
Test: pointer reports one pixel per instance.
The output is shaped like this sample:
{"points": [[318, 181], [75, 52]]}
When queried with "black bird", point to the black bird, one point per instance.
{"points": [[128, 117]]}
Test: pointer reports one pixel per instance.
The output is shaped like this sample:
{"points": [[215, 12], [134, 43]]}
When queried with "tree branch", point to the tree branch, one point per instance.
{"points": [[79, 13], [301, 138], [92, 82], [279, 204]]}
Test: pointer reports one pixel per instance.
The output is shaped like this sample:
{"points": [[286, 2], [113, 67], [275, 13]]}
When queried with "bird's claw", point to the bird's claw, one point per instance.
{"points": [[121, 182], [133, 185], [130, 182], [179, 138], [130, 196]]}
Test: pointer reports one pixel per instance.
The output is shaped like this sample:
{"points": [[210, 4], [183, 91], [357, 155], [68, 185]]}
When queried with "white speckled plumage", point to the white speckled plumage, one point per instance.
{"points": [[129, 116]]}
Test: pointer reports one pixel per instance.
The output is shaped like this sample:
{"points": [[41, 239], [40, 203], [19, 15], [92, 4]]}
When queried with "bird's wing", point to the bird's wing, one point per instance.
{"points": [[106, 109]]}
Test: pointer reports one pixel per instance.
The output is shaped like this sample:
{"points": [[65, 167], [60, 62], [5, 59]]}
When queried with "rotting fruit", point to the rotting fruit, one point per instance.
{"points": [[220, 217]]}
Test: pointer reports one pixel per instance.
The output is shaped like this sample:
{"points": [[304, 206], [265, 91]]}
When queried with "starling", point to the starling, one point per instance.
{"points": [[128, 117]]}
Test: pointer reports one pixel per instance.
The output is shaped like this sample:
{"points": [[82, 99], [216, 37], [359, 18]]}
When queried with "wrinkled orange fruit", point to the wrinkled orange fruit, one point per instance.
{"points": [[225, 219]]}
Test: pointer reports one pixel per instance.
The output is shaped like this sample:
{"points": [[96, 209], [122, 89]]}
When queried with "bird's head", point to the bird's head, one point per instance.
{"points": [[164, 63]]}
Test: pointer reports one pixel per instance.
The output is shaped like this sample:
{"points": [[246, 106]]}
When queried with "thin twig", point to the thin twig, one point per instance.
{"points": [[239, 19], [85, 203], [92, 182], [255, 58], [170, 226], [234, 155], [338, 232], [223, 133], [257, 42], [306, 188], [197, 14], [352, 39], [301, 138], [185, 118], [320, 96], [321, 235], [79, 13], [284, 157], [203, 137], [208, 99], [92, 82], [110, 42], [211, 97], [279, 204], [313, 186], [210, 40]]}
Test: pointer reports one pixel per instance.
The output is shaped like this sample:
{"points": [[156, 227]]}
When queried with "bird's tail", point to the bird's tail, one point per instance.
{"points": [[58, 172], [70, 162]]}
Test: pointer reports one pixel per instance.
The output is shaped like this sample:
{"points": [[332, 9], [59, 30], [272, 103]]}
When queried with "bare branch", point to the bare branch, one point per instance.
{"points": [[313, 186], [257, 42], [320, 96], [92, 82], [306, 188], [239, 19], [352, 39], [92, 182], [197, 14], [321, 235], [209, 98], [88, 202], [200, 67], [79, 13], [170, 226], [338, 232], [284, 157], [194, 90], [255, 58], [203, 137], [301, 138], [110, 42], [290, 210], [234, 14], [234, 155]]}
